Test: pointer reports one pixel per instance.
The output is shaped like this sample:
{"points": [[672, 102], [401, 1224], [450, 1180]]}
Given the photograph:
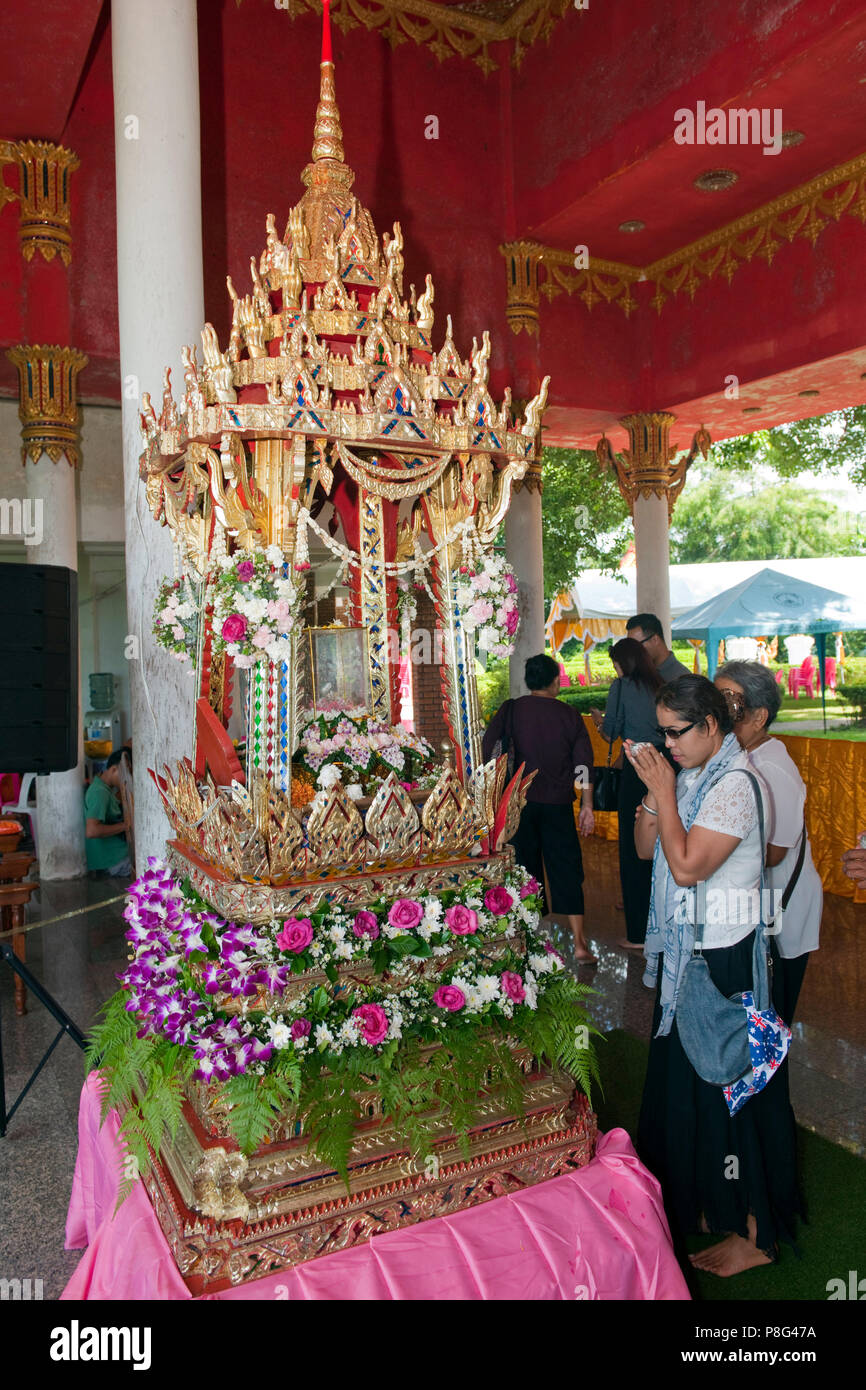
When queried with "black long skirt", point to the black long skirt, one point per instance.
{"points": [[635, 874], [709, 1162]]}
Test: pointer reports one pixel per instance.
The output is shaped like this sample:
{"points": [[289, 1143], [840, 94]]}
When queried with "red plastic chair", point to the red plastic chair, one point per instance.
{"points": [[802, 678], [830, 672]]}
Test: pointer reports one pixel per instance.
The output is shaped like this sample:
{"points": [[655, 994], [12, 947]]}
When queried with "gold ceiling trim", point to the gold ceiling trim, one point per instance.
{"points": [[448, 31], [803, 212]]}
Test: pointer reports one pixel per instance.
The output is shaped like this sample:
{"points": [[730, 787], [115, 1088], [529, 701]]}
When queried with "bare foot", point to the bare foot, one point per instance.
{"points": [[730, 1256], [582, 954], [630, 945]]}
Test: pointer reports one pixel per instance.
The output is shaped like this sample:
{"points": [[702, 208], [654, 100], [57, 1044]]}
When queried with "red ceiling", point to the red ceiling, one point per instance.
{"points": [[577, 140], [42, 57]]}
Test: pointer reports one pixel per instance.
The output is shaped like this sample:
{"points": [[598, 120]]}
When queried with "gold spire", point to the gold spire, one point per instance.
{"points": [[327, 132]]}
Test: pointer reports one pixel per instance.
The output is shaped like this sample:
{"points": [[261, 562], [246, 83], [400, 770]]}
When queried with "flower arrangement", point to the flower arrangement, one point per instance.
{"points": [[175, 619], [487, 604], [255, 607], [362, 750], [171, 1022]]}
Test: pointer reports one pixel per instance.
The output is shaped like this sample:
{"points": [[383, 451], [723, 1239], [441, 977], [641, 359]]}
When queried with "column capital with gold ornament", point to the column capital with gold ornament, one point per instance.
{"points": [[651, 466], [48, 401], [522, 259], [44, 185]]}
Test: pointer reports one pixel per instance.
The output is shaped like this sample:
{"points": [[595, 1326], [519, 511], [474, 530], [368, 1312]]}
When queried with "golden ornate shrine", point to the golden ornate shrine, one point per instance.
{"points": [[331, 415], [331, 391]]}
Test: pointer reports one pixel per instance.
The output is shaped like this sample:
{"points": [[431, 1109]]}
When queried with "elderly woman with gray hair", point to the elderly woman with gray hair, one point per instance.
{"points": [[754, 699]]}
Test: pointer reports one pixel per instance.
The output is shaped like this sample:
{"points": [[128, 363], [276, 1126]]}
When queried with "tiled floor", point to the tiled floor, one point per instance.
{"points": [[78, 959]]}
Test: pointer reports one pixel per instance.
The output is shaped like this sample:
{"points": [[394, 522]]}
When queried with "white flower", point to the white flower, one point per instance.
{"points": [[343, 951], [488, 987], [464, 596], [323, 1034], [355, 791], [226, 562], [488, 637], [279, 1033], [432, 910], [349, 1031], [328, 776], [274, 556], [530, 991]]}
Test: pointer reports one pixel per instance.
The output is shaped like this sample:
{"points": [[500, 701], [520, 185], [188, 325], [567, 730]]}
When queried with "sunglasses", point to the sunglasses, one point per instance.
{"points": [[674, 733]]}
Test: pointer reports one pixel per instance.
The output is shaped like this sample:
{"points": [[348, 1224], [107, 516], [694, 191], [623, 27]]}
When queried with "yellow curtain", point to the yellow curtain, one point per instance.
{"points": [[834, 770], [697, 643]]}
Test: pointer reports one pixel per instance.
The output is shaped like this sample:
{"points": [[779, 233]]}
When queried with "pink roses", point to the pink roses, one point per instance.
{"points": [[374, 1023], [296, 935], [365, 924], [405, 913], [461, 920], [234, 629], [449, 997], [498, 901], [512, 985], [301, 1028], [531, 886], [245, 570], [512, 621]]}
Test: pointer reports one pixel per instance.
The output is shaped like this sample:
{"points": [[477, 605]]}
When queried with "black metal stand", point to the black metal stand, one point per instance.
{"points": [[47, 1002]]}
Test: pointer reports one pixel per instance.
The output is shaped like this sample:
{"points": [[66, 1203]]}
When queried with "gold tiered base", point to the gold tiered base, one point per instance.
{"points": [[230, 1220]]}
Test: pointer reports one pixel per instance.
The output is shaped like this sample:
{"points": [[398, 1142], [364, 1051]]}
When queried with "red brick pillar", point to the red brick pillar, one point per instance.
{"points": [[427, 673]]}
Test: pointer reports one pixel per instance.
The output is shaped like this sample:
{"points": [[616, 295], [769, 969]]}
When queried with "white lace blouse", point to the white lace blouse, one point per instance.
{"points": [[732, 892]]}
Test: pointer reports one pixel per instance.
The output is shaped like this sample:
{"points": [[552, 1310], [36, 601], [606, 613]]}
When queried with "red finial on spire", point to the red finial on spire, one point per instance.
{"points": [[327, 56]]}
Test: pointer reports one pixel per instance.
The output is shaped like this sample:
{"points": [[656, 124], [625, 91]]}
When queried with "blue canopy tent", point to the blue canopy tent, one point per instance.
{"points": [[767, 604]]}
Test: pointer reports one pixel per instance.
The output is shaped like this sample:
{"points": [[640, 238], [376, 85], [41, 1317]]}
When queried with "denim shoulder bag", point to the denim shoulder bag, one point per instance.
{"points": [[715, 1030]]}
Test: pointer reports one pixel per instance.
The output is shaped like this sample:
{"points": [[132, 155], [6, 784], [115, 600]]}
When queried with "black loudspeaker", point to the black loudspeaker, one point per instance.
{"points": [[38, 668]]}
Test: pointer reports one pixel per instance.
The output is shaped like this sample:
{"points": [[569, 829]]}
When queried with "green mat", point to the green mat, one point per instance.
{"points": [[833, 1181]]}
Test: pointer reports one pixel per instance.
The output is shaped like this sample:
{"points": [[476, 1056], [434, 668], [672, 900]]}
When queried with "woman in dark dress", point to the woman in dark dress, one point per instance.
{"points": [[630, 713], [550, 736], [734, 1174]]}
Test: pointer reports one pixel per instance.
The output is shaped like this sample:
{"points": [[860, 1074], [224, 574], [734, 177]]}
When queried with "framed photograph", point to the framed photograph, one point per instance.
{"points": [[340, 667]]}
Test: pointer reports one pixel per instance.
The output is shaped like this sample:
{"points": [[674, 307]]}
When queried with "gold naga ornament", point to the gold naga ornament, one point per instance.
{"points": [[331, 401]]}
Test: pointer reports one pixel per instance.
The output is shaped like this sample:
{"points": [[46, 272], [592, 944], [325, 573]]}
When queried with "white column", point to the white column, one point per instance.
{"points": [[60, 796], [161, 308], [524, 552], [652, 558]]}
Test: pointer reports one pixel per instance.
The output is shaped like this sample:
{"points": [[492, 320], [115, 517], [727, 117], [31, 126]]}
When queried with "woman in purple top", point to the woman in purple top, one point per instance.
{"points": [[551, 737]]}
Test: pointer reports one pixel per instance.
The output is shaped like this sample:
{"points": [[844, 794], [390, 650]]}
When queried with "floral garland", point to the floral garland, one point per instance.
{"points": [[348, 743], [186, 959], [255, 607], [487, 604], [175, 619]]}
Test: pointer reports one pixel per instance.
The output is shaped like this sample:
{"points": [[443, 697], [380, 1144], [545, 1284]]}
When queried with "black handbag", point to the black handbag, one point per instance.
{"points": [[605, 792]]}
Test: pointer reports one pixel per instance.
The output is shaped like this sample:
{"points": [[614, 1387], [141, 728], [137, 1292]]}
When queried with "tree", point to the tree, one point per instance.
{"points": [[822, 444], [585, 520], [714, 522]]}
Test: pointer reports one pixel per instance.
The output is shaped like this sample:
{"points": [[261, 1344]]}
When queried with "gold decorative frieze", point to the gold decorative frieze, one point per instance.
{"points": [[651, 467], [48, 406], [449, 31], [803, 213], [45, 176], [601, 282]]}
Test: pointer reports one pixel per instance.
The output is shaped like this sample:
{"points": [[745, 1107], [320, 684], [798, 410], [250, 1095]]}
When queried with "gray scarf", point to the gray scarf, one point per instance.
{"points": [[671, 929]]}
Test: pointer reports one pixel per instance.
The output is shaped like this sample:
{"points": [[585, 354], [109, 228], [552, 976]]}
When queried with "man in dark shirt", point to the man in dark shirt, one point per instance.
{"points": [[551, 737], [646, 628]]}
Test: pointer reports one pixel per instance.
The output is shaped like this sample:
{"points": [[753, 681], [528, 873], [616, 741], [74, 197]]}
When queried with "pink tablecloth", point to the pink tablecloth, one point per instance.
{"points": [[597, 1233]]}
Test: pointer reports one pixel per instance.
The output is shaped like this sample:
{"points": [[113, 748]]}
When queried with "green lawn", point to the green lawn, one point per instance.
{"points": [[833, 1184]]}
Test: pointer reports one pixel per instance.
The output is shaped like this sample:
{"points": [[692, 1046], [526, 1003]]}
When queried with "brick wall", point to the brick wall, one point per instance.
{"points": [[426, 678]]}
